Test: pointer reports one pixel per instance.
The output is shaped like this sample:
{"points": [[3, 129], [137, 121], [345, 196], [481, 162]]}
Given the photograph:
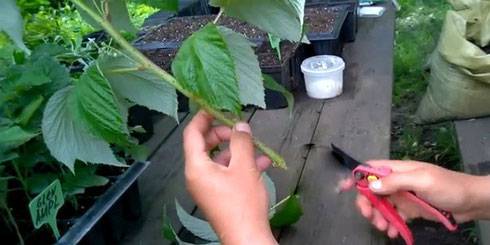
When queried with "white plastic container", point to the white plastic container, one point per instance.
{"points": [[324, 76]]}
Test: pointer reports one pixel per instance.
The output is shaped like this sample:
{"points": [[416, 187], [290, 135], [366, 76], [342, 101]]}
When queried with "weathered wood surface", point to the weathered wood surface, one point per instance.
{"points": [[474, 145], [359, 122]]}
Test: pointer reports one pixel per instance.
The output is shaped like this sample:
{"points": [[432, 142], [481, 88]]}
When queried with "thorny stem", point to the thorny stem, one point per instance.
{"points": [[277, 160]]}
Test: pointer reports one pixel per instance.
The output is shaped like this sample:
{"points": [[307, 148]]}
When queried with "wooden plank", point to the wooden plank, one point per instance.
{"points": [[474, 146], [162, 129], [291, 137], [474, 140], [359, 122], [159, 185]]}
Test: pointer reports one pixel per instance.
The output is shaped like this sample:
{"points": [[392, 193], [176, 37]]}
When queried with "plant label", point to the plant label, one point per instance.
{"points": [[44, 207]]}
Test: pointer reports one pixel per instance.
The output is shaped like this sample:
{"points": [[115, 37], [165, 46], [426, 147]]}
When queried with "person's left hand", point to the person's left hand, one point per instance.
{"points": [[229, 188]]}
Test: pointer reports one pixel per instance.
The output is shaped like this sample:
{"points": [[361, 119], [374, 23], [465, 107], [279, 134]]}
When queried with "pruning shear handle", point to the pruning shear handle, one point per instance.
{"points": [[364, 174]]}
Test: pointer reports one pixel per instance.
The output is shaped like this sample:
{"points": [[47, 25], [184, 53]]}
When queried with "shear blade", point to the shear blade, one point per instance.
{"points": [[344, 158]]}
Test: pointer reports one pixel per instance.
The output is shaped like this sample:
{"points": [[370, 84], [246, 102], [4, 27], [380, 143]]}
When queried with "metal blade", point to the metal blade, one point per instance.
{"points": [[344, 158]]}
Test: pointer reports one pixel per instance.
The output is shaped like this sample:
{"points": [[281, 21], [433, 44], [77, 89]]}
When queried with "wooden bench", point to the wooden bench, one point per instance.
{"points": [[358, 121], [474, 145]]}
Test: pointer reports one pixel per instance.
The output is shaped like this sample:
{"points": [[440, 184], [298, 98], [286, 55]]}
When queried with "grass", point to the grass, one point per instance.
{"points": [[417, 30]]}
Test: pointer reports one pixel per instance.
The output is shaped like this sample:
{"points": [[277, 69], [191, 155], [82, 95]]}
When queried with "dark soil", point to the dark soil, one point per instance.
{"points": [[430, 233], [178, 29], [321, 19], [269, 57], [162, 57]]}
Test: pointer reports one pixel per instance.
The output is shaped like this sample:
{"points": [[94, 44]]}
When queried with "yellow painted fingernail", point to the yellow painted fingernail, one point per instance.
{"points": [[372, 178]]}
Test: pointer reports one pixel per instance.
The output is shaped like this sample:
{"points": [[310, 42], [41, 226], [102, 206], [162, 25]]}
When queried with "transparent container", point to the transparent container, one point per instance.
{"points": [[324, 75]]}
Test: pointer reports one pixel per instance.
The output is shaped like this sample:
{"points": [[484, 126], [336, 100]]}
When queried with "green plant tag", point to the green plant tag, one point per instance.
{"points": [[44, 207]]}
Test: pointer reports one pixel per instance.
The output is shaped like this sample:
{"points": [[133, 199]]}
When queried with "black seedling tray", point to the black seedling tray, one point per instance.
{"points": [[200, 7], [328, 42], [105, 221], [349, 28]]}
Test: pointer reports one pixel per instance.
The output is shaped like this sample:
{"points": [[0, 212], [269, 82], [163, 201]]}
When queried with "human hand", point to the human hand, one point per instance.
{"points": [[229, 188], [461, 194]]}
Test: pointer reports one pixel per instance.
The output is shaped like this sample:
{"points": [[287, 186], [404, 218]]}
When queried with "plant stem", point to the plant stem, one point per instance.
{"points": [[277, 160], [129, 69], [21, 179], [218, 16], [14, 224]]}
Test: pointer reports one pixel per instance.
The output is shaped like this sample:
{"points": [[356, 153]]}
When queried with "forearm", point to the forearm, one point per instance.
{"points": [[480, 197]]}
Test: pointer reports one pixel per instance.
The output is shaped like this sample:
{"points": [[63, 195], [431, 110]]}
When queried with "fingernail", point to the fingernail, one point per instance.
{"points": [[243, 127], [376, 185]]}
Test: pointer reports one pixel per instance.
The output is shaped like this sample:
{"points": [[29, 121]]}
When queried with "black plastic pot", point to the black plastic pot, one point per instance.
{"points": [[282, 75], [141, 116], [329, 43], [106, 220], [200, 7], [349, 27]]}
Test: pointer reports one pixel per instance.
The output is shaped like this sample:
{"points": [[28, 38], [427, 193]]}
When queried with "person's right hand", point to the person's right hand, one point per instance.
{"points": [[466, 197]]}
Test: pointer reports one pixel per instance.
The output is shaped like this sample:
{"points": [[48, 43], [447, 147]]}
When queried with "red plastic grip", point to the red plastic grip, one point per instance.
{"points": [[389, 213]]}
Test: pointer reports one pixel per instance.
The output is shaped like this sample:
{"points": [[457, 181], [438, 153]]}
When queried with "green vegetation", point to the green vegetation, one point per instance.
{"points": [[65, 91], [417, 31]]}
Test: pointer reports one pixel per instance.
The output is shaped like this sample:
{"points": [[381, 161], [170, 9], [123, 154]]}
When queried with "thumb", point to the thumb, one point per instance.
{"points": [[241, 147], [396, 182]]}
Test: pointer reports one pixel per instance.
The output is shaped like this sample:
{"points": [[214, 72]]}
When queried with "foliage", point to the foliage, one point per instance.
{"points": [[285, 213], [61, 25], [417, 29], [64, 106]]}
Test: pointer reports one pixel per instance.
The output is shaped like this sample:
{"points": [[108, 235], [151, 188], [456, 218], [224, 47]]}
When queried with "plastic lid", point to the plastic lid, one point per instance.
{"points": [[322, 64]]}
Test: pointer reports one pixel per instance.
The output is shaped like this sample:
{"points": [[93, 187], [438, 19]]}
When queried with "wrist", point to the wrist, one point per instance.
{"points": [[248, 232], [480, 197]]}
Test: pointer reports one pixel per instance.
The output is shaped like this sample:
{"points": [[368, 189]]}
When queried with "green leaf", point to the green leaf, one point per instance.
{"points": [[168, 231], [271, 189], [48, 50], [283, 18], [99, 107], [67, 136], [14, 136], [29, 111], [39, 181], [271, 84], [117, 14], [138, 85], [247, 68], [42, 71], [196, 226], [275, 44], [11, 23], [287, 213], [84, 177], [7, 156], [204, 66], [169, 5]]}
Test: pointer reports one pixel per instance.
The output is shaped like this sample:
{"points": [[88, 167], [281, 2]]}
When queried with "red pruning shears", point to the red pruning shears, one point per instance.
{"points": [[363, 174]]}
